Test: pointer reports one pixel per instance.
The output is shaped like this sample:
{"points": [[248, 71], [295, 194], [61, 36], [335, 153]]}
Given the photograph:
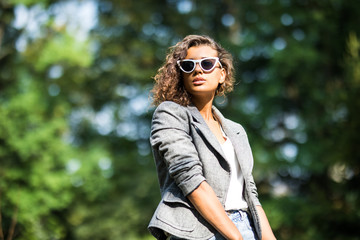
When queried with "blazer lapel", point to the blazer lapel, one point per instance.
{"points": [[239, 141], [243, 153], [201, 126]]}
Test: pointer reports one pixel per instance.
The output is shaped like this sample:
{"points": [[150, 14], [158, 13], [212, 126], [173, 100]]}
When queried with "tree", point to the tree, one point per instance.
{"points": [[75, 161]]}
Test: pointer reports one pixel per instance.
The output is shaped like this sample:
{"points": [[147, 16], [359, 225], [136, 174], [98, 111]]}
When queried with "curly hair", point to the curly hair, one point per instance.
{"points": [[168, 80]]}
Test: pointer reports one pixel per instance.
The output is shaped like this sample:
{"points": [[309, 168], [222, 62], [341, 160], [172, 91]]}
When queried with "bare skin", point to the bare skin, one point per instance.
{"points": [[267, 233], [202, 86]]}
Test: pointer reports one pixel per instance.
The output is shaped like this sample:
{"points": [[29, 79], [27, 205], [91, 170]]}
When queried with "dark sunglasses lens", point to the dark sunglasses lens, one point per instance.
{"points": [[187, 65], [207, 64]]}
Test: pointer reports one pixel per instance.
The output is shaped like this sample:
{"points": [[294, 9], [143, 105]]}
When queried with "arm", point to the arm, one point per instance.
{"points": [[207, 204], [267, 233], [174, 151]]}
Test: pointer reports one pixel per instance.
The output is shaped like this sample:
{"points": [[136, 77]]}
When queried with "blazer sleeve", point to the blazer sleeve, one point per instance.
{"points": [[250, 178], [171, 139], [253, 190]]}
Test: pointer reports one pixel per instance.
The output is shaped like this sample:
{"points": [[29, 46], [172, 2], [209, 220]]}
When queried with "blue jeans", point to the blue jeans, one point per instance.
{"points": [[242, 221]]}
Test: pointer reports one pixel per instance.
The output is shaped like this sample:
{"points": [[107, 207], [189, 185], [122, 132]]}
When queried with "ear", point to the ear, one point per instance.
{"points": [[222, 75]]}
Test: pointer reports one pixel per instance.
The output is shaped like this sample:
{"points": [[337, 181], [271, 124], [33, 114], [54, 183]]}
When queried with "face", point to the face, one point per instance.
{"points": [[200, 83]]}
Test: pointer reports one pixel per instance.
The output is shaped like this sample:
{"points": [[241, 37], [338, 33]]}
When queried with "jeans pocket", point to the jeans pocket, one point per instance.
{"points": [[249, 222]]}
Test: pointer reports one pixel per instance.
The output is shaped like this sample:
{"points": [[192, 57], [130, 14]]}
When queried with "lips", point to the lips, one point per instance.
{"points": [[198, 81]]}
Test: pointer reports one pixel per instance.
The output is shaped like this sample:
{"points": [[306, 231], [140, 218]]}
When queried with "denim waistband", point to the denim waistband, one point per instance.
{"points": [[237, 210], [241, 211]]}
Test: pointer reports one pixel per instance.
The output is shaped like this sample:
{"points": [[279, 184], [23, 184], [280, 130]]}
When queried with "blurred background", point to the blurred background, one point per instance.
{"points": [[75, 111]]}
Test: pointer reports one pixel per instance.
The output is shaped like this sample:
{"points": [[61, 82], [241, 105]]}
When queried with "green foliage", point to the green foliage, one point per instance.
{"points": [[63, 47], [75, 161], [26, 2], [33, 178]]}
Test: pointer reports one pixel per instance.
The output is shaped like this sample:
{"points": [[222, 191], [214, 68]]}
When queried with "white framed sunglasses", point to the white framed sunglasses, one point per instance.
{"points": [[206, 64]]}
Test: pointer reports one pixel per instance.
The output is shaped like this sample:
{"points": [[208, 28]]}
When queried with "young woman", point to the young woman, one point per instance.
{"points": [[203, 160]]}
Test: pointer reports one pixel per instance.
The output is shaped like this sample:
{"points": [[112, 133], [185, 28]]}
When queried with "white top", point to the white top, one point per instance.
{"points": [[235, 197]]}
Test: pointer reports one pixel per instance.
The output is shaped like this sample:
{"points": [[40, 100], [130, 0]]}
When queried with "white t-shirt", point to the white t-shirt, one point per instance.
{"points": [[235, 198]]}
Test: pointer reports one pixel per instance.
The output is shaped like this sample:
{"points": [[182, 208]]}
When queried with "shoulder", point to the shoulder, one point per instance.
{"points": [[166, 105], [170, 114], [171, 109]]}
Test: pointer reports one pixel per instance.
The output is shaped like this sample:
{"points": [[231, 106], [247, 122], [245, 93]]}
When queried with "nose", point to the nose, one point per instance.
{"points": [[197, 68]]}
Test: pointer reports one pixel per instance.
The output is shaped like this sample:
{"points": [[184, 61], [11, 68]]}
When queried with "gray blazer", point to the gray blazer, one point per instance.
{"points": [[186, 153]]}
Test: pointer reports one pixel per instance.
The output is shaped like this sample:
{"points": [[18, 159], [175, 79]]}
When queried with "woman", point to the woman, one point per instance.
{"points": [[203, 160]]}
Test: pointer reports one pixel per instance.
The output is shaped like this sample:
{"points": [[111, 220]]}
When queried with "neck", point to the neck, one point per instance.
{"points": [[205, 108]]}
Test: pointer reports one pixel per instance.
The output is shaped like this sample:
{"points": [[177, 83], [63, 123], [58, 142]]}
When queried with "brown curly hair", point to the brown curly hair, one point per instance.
{"points": [[168, 80]]}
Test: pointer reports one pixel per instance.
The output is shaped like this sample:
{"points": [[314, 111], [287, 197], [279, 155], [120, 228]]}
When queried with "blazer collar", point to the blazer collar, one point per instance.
{"points": [[232, 131], [201, 125], [239, 141], [229, 127]]}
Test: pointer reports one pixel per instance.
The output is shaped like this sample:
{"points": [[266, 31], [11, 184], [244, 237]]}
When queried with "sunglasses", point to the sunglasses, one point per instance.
{"points": [[206, 64]]}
